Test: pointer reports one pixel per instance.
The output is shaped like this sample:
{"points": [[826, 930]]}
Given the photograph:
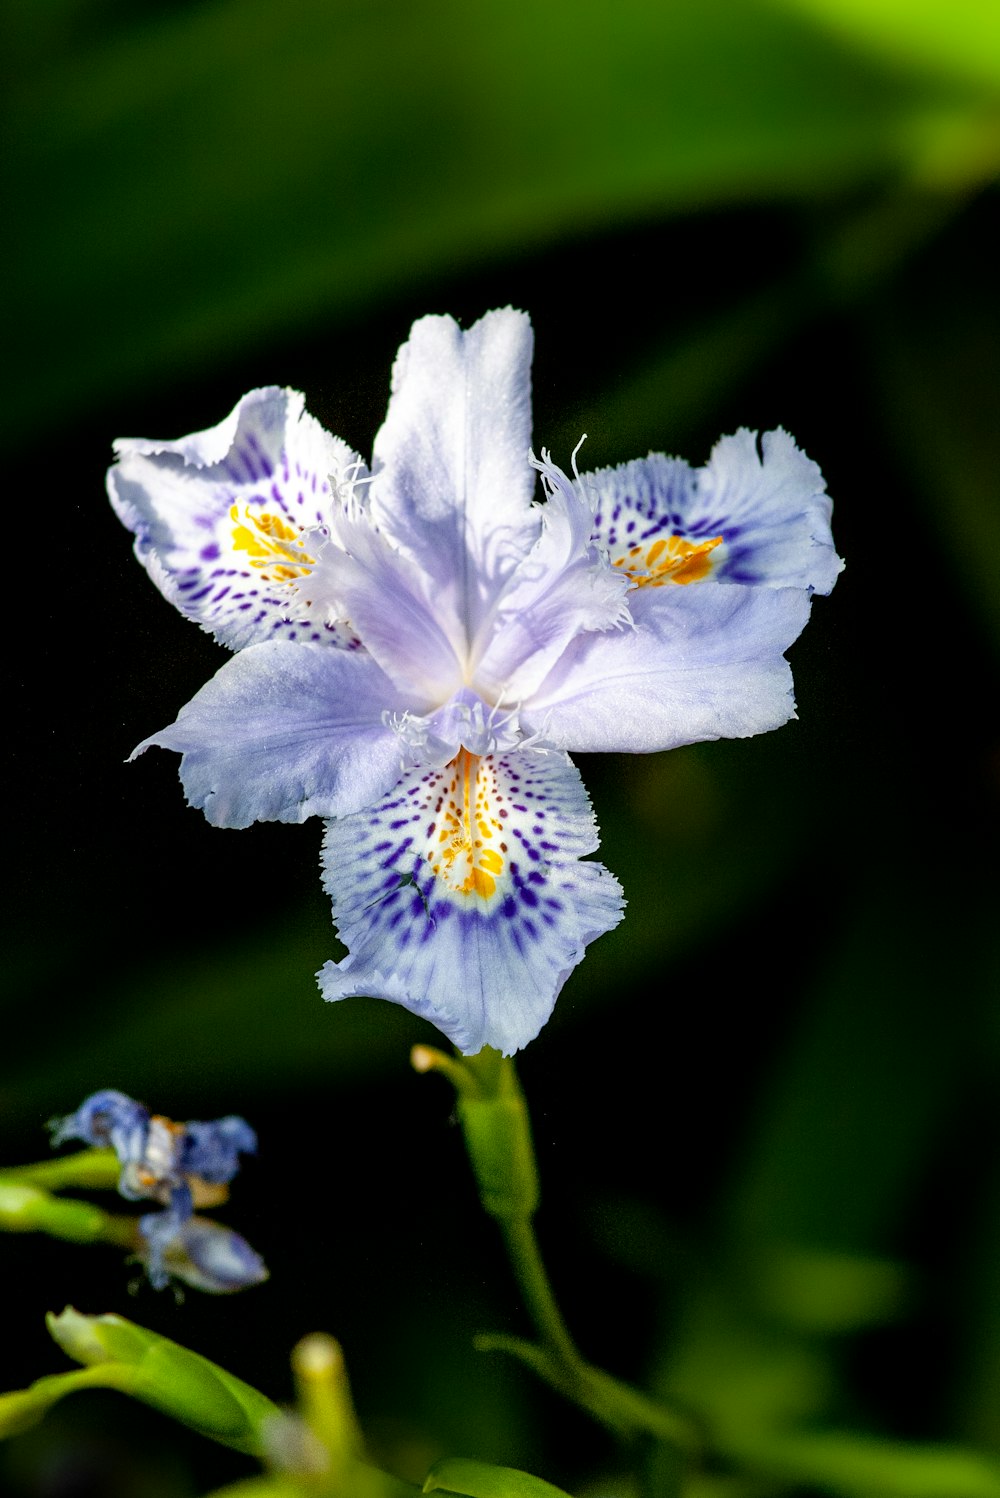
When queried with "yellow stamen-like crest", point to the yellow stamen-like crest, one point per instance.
{"points": [[469, 855], [669, 559], [270, 542]]}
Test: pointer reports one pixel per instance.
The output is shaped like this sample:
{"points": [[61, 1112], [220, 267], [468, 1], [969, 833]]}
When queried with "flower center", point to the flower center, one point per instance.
{"points": [[271, 543], [670, 559], [468, 855]]}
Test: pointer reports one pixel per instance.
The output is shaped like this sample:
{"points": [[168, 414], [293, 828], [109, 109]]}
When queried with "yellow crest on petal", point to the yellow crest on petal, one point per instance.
{"points": [[668, 559], [469, 852], [270, 542]]}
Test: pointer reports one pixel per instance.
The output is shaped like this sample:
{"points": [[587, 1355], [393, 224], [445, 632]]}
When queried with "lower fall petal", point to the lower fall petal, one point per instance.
{"points": [[224, 519], [461, 895]]}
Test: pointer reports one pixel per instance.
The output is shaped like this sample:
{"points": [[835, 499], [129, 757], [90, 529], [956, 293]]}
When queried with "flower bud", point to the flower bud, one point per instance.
{"points": [[163, 1374]]}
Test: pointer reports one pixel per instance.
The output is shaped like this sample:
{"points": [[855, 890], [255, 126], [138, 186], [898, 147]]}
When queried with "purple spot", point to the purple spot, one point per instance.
{"points": [[399, 853], [209, 553]]}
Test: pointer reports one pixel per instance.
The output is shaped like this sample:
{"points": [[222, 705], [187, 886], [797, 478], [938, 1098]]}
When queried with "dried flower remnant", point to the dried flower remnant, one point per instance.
{"points": [[181, 1166]]}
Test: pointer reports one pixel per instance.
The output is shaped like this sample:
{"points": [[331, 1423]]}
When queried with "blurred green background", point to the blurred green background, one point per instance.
{"points": [[766, 1106]]}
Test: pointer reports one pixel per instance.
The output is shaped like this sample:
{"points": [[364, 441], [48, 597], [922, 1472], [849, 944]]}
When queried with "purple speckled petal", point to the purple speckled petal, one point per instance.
{"points": [[283, 732], [764, 516], [461, 897], [701, 663], [222, 518]]}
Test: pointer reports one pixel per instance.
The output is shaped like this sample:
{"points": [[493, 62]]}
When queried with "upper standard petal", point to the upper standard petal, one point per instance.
{"points": [[452, 483], [564, 587], [701, 663]]}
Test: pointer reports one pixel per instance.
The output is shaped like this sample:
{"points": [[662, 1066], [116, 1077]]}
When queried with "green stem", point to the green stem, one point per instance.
{"points": [[625, 1410], [497, 1131], [529, 1271], [91, 1170]]}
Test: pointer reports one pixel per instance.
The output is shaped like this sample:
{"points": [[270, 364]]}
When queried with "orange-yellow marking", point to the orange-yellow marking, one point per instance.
{"points": [[469, 852], [270, 542], [670, 559]]}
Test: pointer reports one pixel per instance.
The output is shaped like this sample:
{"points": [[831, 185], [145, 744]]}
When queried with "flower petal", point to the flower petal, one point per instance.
{"points": [[219, 517], [283, 732], [204, 1255], [561, 589], [106, 1118], [452, 484], [461, 898], [744, 518], [390, 604], [701, 663], [211, 1149]]}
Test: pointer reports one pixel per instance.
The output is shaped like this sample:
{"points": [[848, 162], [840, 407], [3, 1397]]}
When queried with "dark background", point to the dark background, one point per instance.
{"points": [[766, 1105]]}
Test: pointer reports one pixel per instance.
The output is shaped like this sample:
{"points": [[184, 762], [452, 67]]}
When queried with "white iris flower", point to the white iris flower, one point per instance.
{"points": [[418, 646]]}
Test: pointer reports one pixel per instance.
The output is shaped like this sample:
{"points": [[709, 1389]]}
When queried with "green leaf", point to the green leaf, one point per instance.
{"points": [[224, 173], [832, 1166], [934, 345], [821, 1292], [472, 1479], [856, 1466], [962, 37]]}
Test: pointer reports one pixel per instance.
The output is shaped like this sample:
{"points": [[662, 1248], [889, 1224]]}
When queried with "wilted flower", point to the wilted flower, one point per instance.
{"points": [[419, 645], [182, 1166]]}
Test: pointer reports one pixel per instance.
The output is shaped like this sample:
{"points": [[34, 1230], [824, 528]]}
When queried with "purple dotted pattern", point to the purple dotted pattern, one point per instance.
{"points": [[656, 496], [181, 515], [452, 956]]}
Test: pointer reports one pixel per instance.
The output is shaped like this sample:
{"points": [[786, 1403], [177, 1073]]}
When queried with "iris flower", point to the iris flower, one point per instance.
{"points": [[181, 1166], [419, 644]]}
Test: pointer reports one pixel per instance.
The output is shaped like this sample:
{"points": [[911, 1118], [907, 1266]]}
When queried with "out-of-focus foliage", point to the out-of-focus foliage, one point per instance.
{"points": [[765, 1107], [226, 172]]}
